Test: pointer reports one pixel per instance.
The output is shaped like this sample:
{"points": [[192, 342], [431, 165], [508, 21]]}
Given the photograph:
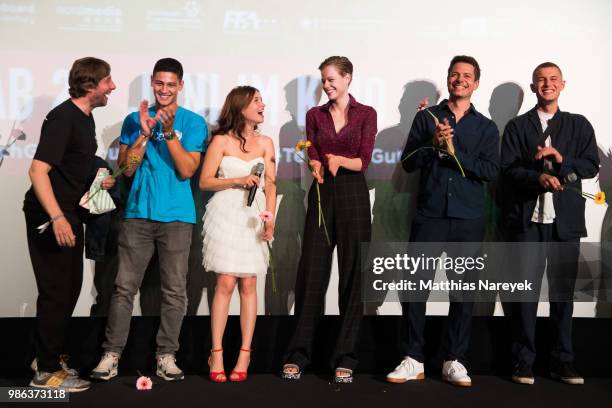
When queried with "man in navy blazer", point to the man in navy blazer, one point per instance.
{"points": [[545, 153], [450, 208]]}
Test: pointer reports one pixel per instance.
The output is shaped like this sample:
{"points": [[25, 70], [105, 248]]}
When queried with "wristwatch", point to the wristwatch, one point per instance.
{"points": [[170, 135]]}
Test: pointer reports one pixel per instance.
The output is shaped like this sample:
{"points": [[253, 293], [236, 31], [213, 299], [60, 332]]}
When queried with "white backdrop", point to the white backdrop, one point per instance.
{"points": [[277, 46]]}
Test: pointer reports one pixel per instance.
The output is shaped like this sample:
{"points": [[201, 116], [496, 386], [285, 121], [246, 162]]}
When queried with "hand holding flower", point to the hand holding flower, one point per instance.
{"points": [[108, 183], [443, 136], [268, 218], [317, 170], [268, 233], [549, 183]]}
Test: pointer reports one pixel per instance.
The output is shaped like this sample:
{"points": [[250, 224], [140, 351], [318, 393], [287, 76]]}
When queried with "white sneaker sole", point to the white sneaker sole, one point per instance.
{"points": [[48, 387], [161, 374], [565, 380], [113, 373], [417, 377], [523, 380], [458, 383]]}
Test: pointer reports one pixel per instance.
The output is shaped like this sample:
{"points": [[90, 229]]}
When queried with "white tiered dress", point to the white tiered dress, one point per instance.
{"points": [[232, 231]]}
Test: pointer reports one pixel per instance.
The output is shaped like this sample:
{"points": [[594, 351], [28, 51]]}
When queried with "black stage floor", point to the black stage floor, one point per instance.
{"points": [[267, 390]]}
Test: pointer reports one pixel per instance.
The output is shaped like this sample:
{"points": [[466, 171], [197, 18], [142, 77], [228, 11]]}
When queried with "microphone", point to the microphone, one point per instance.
{"points": [[570, 178], [257, 170]]}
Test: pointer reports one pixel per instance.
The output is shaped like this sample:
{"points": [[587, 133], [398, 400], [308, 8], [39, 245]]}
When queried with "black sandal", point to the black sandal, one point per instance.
{"points": [[343, 379], [290, 375]]}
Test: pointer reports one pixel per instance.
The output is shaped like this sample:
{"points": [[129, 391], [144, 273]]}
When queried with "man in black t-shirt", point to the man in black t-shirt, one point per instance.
{"points": [[60, 172]]}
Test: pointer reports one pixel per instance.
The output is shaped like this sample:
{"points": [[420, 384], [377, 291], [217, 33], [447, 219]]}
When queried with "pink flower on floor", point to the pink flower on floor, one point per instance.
{"points": [[266, 216], [144, 383]]}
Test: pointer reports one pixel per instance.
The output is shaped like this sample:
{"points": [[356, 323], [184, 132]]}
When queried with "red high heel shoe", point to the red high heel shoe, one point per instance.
{"points": [[239, 376], [216, 376]]}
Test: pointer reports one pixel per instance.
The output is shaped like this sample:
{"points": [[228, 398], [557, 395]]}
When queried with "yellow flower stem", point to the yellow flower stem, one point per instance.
{"points": [[582, 193], [441, 150], [320, 208], [452, 154], [321, 217]]}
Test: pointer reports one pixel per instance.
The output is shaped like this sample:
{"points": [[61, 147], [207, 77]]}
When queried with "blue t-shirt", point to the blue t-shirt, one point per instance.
{"points": [[158, 193]]}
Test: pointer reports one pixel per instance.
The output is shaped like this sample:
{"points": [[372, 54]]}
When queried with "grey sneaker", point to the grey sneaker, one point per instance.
{"points": [[59, 380], [63, 363], [107, 367], [167, 369]]}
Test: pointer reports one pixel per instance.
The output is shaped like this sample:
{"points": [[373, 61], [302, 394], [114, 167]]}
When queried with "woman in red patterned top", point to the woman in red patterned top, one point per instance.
{"points": [[342, 134]]}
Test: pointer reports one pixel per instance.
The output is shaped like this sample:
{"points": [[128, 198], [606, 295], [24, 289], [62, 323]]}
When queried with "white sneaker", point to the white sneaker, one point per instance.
{"points": [[408, 369], [455, 373], [107, 367], [167, 369]]}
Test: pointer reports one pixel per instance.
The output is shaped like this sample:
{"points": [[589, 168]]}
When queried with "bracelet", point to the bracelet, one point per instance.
{"points": [[170, 135], [57, 217], [145, 136]]}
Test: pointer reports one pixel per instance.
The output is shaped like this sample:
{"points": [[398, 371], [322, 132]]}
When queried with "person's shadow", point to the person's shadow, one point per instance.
{"points": [[301, 93], [395, 190], [604, 287], [504, 105], [197, 278]]}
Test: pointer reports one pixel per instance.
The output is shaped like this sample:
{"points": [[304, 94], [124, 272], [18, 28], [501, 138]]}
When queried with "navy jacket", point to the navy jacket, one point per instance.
{"points": [[573, 136], [443, 191]]}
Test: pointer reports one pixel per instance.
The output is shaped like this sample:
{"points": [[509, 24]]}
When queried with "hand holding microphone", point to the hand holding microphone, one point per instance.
{"points": [[552, 183], [257, 171]]}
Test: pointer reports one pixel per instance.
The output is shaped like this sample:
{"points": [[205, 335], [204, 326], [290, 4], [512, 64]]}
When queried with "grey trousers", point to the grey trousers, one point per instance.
{"points": [[137, 241]]}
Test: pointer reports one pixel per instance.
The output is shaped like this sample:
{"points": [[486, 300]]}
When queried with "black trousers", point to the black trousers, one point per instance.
{"points": [[457, 334], [560, 259], [59, 276], [346, 207]]}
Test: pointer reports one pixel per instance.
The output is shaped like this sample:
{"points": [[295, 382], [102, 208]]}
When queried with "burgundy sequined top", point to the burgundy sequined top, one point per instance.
{"points": [[355, 139]]}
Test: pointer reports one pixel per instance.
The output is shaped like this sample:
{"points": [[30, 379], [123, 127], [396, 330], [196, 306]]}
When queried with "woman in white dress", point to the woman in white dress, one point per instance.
{"points": [[235, 236]]}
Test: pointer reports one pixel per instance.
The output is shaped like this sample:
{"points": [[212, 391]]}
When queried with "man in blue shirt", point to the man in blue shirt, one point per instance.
{"points": [[162, 145], [457, 153]]}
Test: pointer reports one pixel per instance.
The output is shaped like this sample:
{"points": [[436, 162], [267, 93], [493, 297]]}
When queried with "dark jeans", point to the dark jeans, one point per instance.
{"points": [[560, 259], [59, 276], [457, 335]]}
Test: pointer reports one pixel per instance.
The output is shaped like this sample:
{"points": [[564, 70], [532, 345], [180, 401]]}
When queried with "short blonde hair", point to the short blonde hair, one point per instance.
{"points": [[343, 64]]}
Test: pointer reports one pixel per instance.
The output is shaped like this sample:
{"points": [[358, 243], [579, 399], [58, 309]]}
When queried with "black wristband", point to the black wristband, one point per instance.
{"points": [[170, 135]]}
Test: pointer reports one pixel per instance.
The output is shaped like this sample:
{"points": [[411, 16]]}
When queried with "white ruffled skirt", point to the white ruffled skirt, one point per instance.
{"points": [[232, 234]]}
